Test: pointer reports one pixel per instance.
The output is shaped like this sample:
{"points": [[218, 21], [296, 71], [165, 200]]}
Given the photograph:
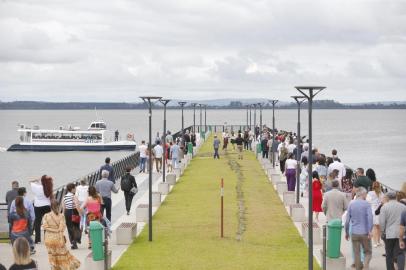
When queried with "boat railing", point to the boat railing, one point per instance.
{"points": [[4, 229]]}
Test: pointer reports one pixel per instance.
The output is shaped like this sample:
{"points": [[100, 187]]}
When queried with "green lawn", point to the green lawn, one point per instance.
{"points": [[258, 232]]}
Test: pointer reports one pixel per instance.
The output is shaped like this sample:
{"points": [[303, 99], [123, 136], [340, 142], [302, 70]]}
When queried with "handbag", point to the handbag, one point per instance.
{"points": [[134, 190], [75, 217]]}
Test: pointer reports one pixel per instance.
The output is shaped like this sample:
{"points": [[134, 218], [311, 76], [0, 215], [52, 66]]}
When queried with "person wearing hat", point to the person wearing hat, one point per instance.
{"points": [[216, 146], [389, 220]]}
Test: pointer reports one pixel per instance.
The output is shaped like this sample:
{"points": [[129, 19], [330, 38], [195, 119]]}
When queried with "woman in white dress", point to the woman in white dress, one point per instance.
{"points": [[375, 198]]}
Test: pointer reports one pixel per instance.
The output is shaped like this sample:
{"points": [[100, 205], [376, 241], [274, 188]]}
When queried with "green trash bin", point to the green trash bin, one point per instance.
{"points": [[334, 238], [259, 148], [96, 230], [190, 148]]}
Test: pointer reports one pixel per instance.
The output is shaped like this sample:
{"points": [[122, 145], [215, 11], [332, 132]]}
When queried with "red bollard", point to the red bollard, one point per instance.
{"points": [[222, 206]]}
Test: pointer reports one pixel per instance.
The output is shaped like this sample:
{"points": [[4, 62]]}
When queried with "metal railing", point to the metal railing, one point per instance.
{"points": [[3, 222]]}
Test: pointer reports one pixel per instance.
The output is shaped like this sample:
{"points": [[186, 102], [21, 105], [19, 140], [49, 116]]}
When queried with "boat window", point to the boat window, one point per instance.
{"points": [[97, 125], [102, 125], [93, 125]]}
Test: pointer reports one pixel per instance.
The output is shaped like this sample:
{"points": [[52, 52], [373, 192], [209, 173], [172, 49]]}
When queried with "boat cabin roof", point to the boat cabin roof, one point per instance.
{"points": [[62, 131]]}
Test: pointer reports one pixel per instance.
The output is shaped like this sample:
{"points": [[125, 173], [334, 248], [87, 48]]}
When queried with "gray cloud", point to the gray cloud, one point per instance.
{"points": [[104, 50]]}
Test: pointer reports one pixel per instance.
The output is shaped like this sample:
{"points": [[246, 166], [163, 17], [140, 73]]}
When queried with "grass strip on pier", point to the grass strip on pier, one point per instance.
{"points": [[186, 228]]}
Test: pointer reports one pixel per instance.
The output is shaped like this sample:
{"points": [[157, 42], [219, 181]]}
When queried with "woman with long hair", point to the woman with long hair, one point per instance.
{"points": [[58, 255], [370, 173], [22, 259], [375, 197], [43, 193], [21, 223], [93, 207], [317, 195], [321, 167]]}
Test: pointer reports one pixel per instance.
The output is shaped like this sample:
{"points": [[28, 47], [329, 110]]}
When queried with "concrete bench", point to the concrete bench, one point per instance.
{"points": [[96, 265], [141, 213], [316, 233], [297, 212], [178, 171], [163, 188], [156, 198], [334, 263], [275, 178], [281, 187], [289, 198], [171, 179], [125, 233]]}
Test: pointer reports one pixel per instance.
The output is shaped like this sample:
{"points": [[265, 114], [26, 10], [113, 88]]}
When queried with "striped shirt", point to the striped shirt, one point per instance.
{"points": [[68, 201]]}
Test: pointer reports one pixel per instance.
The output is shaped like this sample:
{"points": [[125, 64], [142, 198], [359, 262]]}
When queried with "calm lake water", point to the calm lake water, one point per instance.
{"points": [[363, 138]]}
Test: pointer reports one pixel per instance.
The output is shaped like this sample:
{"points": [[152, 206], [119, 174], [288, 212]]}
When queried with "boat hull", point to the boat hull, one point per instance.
{"points": [[59, 148]]}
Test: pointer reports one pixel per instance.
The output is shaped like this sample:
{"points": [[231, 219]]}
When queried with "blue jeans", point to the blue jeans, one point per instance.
{"points": [[142, 164]]}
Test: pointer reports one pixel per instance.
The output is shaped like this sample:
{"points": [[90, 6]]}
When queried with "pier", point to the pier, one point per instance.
{"points": [[260, 231]]}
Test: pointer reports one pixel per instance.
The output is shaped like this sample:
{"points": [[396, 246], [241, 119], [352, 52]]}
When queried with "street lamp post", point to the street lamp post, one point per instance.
{"points": [[194, 117], [247, 115], [273, 102], [250, 117], [149, 101], [309, 92], [200, 128], [182, 104], [255, 117], [260, 116], [299, 101], [205, 118], [164, 102]]}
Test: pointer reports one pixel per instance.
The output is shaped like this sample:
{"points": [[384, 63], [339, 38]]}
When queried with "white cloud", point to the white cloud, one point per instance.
{"points": [[116, 50]]}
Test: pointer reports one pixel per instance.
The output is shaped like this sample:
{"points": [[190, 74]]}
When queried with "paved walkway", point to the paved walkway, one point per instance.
{"points": [[377, 262], [258, 232], [118, 216]]}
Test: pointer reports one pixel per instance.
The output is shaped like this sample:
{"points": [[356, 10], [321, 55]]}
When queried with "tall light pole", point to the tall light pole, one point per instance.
{"points": [[247, 115], [149, 101], [273, 102], [200, 128], [205, 118], [309, 92], [255, 117], [250, 117], [182, 104], [260, 116], [164, 102], [299, 100], [194, 117]]}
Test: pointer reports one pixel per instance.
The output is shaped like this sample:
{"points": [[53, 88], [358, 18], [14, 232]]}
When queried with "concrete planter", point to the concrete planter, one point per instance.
{"points": [[125, 233], [289, 198], [163, 188], [156, 198], [316, 233], [141, 213], [275, 178], [281, 187], [297, 212], [171, 179]]}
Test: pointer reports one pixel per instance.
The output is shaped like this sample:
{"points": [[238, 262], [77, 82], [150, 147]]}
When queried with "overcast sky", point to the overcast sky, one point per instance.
{"points": [[117, 50]]}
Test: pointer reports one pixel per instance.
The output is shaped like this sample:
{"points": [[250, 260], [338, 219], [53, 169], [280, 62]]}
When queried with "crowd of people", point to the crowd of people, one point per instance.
{"points": [[79, 206], [371, 217]]}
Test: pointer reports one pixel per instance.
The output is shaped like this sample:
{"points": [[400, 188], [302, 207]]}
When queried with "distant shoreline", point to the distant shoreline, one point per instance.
{"points": [[211, 104]]}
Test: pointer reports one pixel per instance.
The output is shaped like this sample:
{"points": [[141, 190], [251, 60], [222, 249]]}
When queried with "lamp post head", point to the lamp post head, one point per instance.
{"points": [[299, 99], [311, 94], [164, 101], [182, 103], [194, 104], [147, 98]]}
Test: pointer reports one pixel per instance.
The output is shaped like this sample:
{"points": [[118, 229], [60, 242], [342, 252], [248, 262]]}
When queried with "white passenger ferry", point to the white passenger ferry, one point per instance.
{"points": [[95, 138]]}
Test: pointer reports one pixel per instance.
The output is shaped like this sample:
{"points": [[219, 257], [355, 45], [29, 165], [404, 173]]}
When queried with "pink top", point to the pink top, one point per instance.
{"points": [[93, 207]]}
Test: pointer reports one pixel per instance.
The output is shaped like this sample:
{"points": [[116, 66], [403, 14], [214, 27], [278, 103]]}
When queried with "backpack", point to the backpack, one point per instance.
{"points": [[126, 184], [284, 153]]}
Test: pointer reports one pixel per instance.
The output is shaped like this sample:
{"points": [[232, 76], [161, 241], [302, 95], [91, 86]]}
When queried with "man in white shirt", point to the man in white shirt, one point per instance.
{"points": [[158, 151], [143, 156], [337, 165], [291, 147]]}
